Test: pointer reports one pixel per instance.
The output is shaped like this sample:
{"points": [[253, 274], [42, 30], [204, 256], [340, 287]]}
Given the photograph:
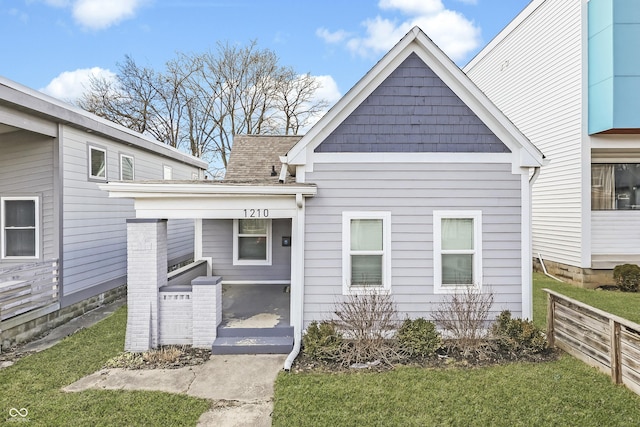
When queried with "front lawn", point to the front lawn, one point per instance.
{"points": [[34, 383], [564, 392]]}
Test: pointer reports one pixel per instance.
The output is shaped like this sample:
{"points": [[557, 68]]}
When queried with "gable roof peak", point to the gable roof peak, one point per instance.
{"points": [[416, 41]]}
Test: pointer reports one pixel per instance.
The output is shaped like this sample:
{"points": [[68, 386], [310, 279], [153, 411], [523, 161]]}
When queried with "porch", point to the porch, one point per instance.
{"points": [[255, 320]]}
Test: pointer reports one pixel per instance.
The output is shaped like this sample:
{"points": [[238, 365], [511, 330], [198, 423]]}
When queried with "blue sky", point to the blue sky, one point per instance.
{"points": [[52, 45]]}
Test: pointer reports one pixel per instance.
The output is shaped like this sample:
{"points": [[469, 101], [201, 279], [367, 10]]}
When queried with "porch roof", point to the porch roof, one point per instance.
{"points": [[190, 189]]}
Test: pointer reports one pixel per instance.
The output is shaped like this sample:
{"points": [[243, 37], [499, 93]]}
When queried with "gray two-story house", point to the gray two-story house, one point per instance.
{"points": [[62, 240]]}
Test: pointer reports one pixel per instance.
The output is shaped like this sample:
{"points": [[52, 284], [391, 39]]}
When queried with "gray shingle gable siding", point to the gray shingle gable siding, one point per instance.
{"points": [[412, 110]]}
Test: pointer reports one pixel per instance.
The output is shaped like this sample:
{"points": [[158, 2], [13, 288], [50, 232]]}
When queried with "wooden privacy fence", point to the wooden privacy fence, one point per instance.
{"points": [[600, 339], [27, 287]]}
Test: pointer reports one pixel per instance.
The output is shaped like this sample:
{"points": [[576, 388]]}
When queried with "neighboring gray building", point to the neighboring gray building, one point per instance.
{"points": [[414, 184], [62, 240]]}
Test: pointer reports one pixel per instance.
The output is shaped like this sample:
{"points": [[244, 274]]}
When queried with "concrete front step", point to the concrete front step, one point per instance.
{"points": [[253, 341]]}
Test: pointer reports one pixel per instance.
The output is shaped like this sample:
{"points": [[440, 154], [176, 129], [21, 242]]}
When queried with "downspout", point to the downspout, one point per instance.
{"points": [[544, 269], [297, 314]]}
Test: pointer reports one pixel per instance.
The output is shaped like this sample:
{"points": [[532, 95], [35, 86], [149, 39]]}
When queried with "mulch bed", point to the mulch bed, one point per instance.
{"points": [[444, 358]]}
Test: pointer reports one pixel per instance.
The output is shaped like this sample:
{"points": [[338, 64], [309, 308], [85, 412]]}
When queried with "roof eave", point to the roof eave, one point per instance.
{"points": [[142, 190]]}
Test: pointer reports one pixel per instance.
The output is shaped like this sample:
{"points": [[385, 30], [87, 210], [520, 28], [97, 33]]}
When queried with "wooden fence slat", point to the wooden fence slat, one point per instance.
{"points": [[576, 315], [596, 342]]}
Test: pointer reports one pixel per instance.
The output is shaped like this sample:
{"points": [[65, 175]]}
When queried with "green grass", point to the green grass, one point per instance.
{"points": [[34, 383], [623, 304], [565, 392]]}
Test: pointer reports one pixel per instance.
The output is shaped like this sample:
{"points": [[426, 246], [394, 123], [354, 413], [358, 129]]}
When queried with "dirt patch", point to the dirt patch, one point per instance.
{"points": [[262, 320]]}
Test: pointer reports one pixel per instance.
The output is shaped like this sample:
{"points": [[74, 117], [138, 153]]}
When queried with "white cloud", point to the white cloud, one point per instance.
{"points": [[328, 89], [99, 14], [456, 35], [332, 37], [69, 85], [413, 7]]}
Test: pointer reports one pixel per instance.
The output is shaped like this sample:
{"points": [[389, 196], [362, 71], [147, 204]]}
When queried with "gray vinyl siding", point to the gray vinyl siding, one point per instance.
{"points": [[217, 243], [411, 192], [180, 240], [94, 225], [534, 75], [412, 110], [26, 169]]}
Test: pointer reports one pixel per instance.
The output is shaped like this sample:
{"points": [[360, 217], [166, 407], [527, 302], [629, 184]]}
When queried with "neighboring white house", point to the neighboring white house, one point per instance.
{"points": [[62, 240], [414, 183], [567, 74]]}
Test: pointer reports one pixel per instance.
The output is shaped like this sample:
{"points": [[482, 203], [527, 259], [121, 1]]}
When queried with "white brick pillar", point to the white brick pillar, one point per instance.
{"points": [[206, 294], [146, 272]]}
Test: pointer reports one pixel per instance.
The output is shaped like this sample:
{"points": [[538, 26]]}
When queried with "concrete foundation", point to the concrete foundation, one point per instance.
{"points": [[581, 277]]}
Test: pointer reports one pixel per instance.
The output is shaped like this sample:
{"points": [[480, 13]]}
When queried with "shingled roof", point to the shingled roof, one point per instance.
{"points": [[254, 156]]}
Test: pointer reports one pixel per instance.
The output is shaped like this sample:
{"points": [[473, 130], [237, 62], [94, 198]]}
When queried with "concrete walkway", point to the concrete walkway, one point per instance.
{"points": [[240, 386]]}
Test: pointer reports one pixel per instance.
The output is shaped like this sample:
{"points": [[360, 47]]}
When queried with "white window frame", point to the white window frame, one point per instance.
{"points": [[133, 167], [438, 216], [106, 163], [236, 237], [167, 172], [385, 216], [36, 201]]}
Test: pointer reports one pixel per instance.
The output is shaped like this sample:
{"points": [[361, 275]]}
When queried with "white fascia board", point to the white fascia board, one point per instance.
{"points": [[142, 190], [488, 158]]}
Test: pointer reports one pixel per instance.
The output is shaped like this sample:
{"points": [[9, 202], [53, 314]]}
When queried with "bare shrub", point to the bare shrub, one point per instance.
{"points": [[162, 355], [368, 322], [463, 317]]}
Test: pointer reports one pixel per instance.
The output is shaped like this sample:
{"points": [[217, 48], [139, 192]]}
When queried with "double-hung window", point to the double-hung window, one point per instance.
{"points": [[97, 163], [127, 167], [19, 220], [252, 242], [366, 251], [457, 249]]}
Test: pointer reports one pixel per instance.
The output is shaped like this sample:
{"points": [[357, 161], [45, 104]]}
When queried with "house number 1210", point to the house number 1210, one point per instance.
{"points": [[256, 213]]}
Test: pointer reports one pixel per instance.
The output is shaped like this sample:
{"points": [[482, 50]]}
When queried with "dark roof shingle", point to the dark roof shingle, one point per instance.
{"points": [[253, 157]]}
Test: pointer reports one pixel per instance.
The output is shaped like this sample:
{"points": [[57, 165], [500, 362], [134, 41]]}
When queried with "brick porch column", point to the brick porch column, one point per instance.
{"points": [[207, 309], [146, 272]]}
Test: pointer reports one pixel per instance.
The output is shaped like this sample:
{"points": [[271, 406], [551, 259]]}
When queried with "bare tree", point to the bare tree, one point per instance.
{"points": [[200, 101], [295, 100]]}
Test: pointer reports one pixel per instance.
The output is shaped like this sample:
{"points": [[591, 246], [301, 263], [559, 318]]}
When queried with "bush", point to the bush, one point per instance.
{"points": [[518, 336], [463, 316], [419, 337], [368, 321], [627, 277], [322, 341]]}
